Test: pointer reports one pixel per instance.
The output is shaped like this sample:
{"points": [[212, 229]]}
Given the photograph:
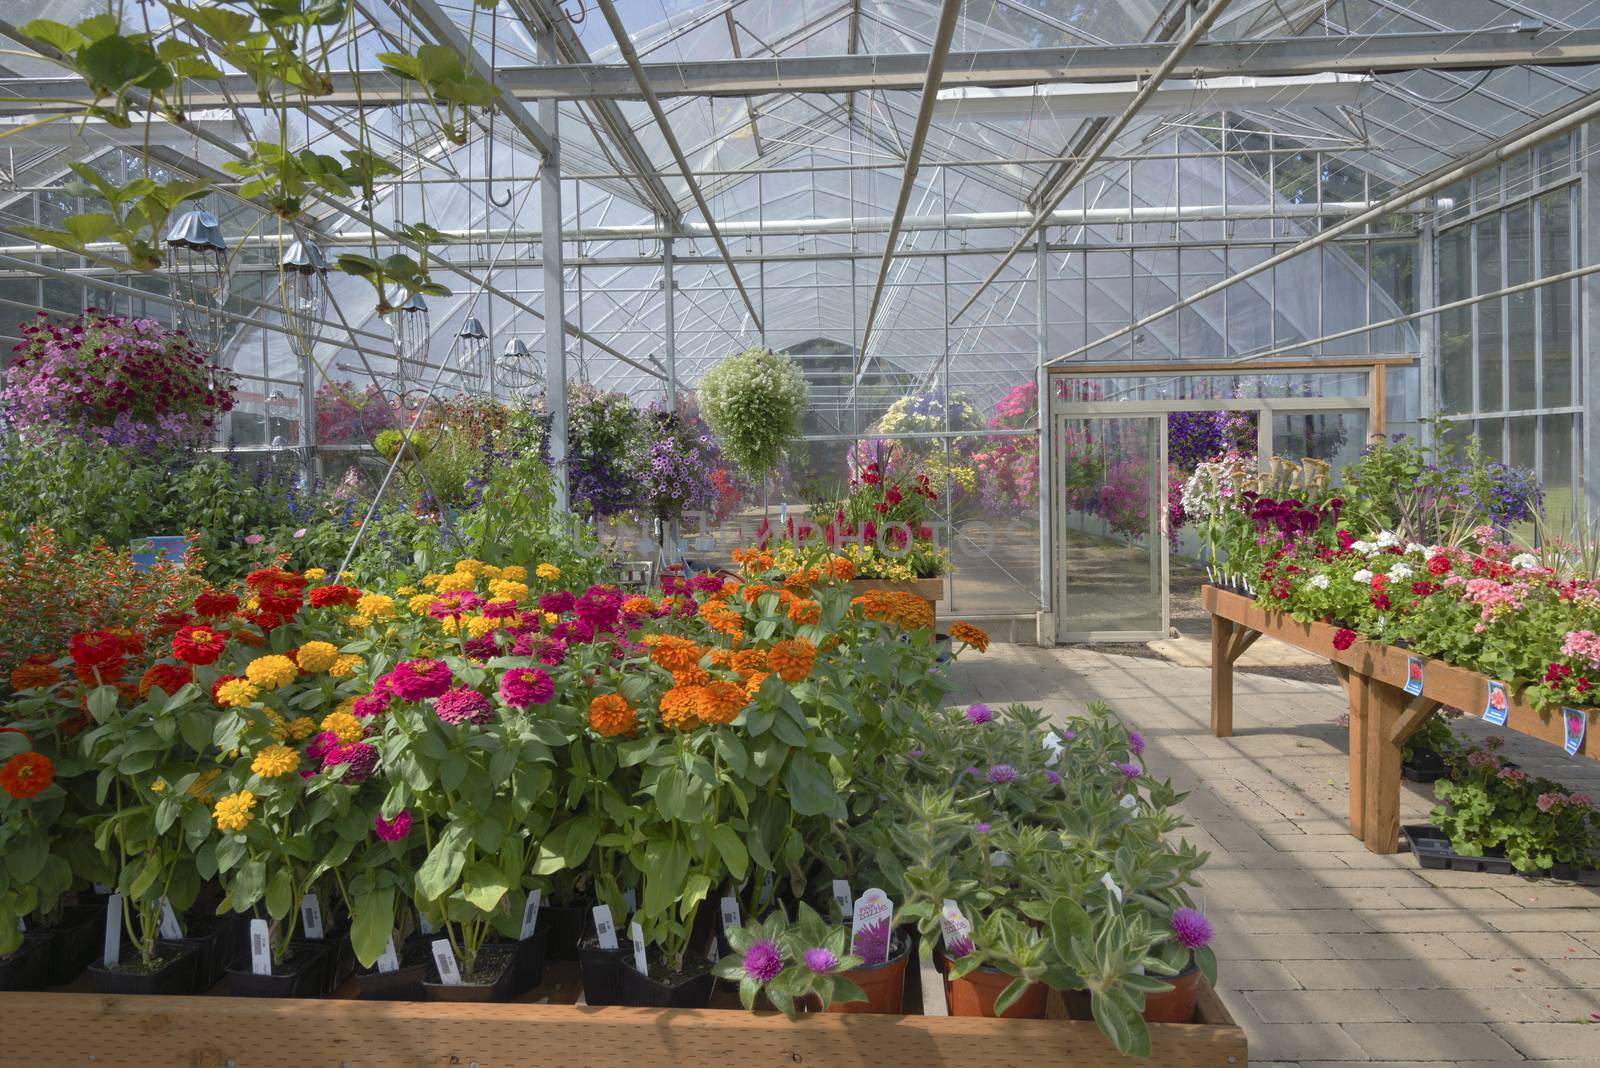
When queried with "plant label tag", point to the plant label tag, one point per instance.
{"points": [[869, 926], [389, 960], [1052, 748], [1129, 801], [445, 958], [999, 859], [605, 927], [629, 901], [260, 948], [841, 895], [311, 916], [425, 924], [101, 888], [530, 913], [1414, 676], [1111, 885], [769, 883], [21, 926], [113, 944], [730, 913], [640, 962], [1577, 723], [957, 930], [169, 926], [1497, 704]]}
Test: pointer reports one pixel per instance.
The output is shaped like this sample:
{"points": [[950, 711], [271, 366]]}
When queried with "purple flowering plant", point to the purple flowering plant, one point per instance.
{"points": [[792, 962]]}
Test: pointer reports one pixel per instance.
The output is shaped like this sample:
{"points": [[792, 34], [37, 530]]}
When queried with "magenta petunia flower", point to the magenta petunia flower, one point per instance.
{"points": [[763, 961], [523, 687], [394, 830], [463, 704], [979, 715], [1001, 773], [820, 959], [1192, 929]]}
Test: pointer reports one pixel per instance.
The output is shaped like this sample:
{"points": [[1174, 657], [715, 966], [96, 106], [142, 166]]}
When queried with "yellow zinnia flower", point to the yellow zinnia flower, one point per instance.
{"points": [[236, 693], [235, 811], [478, 626], [420, 603], [508, 590], [300, 728], [470, 567], [197, 789], [344, 666], [514, 573], [343, 724], [548, 572], [432, 581], [405, 591], [275, 760], [551, 618], [159, 786], [315, 574], [270, 672], [456, 582], [375, 606], [317, 656], [358, 621]]}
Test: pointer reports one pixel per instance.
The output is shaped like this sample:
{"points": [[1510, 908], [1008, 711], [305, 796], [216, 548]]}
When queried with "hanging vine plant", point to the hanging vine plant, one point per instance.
{"points": [[754, 402]]}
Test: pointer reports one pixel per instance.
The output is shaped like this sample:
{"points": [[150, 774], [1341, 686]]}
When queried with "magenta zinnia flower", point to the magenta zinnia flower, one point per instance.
{"points": [[463, 704], [979, 715], [522, 687], [375, 703], [763, 961], [1192, 929], [558, 602], [418, 680], [820, 959], [394, 830], [319, 746], [359, 760]]}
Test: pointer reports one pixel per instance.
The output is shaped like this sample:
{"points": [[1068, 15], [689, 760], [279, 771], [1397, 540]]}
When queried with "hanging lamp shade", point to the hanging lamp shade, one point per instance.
{"points": [[522, 362], [411, 329], [473, 343], [304, 291], [197, 276]]}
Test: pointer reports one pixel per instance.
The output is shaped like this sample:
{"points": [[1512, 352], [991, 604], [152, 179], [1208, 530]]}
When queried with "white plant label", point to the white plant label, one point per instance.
{"points": [[841, 894], [311, 916], [530, 913], [768, 885], [20, 925], [169, 926], [1000, 858], [605, 927], [425, 923], [101, 888], [113, 945], [1111, 885], [389, 960], [260, 948], [629, 901], [445, 958], [957, 930], [869, 926], [636, 933], [1052, 747], [1129, 801], [730, 913]]}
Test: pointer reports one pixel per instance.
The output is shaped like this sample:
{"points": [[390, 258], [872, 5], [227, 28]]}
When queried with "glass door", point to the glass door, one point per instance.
{"points": [[1110, 474]]}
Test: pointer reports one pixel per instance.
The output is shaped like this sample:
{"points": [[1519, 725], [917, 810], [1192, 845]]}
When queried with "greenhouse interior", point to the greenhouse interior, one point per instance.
{"points": [[551, 505]]}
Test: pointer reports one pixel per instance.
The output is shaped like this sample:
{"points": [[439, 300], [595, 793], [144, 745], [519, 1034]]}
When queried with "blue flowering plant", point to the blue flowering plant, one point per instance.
{"points": [[680, 458], [797, 965]]}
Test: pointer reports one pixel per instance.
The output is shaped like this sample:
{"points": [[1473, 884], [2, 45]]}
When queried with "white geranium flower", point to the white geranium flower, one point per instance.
{"points": [[1524, 561], [1363, 576], [1319, 582], [1416, 547], [1362, 547], [1398, 572], [1386, 539]]}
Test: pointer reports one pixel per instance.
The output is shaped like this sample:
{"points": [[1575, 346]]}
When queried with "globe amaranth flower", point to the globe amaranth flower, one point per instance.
{"points": [[463, 704], [1132, 771], [980, 828], [1191, 928], [819, 960], [394, 830], [418, 680], [1001, 773], [1052, 777], [357, 758], [1136, 743], [522, 687], [979, 715], [763, 960]]}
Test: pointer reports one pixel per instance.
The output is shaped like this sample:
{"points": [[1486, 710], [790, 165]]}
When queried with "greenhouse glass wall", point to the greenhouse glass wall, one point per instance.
{"points": [[1261, 228]]}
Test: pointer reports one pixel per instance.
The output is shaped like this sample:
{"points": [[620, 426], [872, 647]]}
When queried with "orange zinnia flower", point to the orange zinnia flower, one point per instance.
{"points": [[35, 674], [27, 775], [971, 635], [792, 659], [746, 661], [721, 702], [681, 706], [752, 685], [611, 715], [805, 612], [721, 658], [694, 675], [675, 653], [638, 606]]}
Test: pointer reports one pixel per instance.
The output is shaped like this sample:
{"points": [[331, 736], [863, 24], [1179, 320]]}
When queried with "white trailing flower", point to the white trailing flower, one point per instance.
{"points": [[1362, 547], [1399, 572], [1363, 576], [1524, 561], [1318, 582]]}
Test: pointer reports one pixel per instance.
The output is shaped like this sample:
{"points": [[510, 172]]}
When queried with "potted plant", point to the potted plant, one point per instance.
{"points": [[754, 402], [803, 966]]}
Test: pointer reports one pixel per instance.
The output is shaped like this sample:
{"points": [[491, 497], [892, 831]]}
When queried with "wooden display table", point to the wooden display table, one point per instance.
{"points": [[1382, 714]]}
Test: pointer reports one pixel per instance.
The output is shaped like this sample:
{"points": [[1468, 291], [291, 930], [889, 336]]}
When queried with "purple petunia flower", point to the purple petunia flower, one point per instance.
{"points": [[1001, 773], [1136, 743], [1192, 929], [763, 961], [819, 960], [979, 715]]}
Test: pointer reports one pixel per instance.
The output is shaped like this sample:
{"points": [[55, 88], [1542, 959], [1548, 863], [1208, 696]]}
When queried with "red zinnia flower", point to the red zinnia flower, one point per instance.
{"points": [[279, 601], [169, 678], [94, 648], [198, 645], [214, 604], [27, 775], [334, 596]]}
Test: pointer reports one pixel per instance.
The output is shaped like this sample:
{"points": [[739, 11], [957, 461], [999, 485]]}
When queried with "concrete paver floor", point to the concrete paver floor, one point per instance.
{"points": [[1331, 955]]}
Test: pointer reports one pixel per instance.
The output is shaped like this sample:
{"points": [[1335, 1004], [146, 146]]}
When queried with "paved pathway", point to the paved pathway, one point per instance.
{"points": [[1331, 955]]}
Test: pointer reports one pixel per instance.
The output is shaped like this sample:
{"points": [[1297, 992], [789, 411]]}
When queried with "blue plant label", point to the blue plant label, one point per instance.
{"points": [[841, 895], [147, 552], [957, 930], [1414, 676], [1577, 724], [869, 927], [445, 958], [605, 927], [389, 960], [1497, 704], [530, 913], [113, 942]]}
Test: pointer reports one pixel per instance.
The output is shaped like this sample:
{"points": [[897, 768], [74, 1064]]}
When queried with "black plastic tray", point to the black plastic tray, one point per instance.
{"points": [[1432, 849]]}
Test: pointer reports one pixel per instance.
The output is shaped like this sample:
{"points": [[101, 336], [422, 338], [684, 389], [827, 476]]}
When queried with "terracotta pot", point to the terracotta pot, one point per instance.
{"points": [[1175, 1005], [975, 993], [884, 984]]}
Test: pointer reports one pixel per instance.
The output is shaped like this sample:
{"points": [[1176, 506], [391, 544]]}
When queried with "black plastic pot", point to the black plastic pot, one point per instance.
{"points": [[303, 973], [75, 942], [171, 973], [402, 984], [563, 926], [602, 972], [496, 975], [528, 964], [675, 992], [28, 967], [218, 941], [341, 958], [1424, 765]]}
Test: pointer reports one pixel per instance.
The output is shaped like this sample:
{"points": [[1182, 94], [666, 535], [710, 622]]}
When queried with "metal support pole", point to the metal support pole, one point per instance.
{"points": [[1427, 330], [312, 463], [1041, 275], [1589, 328], [668, 291], [555, 338]]}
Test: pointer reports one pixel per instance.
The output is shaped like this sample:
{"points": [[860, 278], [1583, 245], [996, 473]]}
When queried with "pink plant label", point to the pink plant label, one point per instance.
{"points": [[957, 930], [1577, 724], [1496, 704], [869, 926]]}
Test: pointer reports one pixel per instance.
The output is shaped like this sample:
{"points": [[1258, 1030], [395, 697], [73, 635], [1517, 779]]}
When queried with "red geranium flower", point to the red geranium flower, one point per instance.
{"points": [[27, 775], [1344, 639], [198, 645]]}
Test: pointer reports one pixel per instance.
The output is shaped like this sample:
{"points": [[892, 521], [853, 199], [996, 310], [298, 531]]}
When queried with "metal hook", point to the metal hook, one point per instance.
{"points": [[500, 203]]}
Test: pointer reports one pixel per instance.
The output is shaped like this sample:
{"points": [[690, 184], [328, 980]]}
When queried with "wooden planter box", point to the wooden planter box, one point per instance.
{"points": [[1382, 714], [929, 589], [50, 1029]]}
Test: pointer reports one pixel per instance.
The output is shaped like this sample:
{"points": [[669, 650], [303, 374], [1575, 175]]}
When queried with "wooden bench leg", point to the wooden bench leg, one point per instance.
{"points": [[1386, 705], [1222, 677], [1354, 691]]}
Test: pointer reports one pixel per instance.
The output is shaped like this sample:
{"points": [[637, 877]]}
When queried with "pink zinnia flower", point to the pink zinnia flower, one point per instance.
{"points": [[359, 760], [463, 704], [522, 687], [394, 830], [418, 680]]}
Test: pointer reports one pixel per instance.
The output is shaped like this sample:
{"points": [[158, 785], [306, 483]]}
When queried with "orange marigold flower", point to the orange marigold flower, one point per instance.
{"points": [[27, 775], [675, 653], [680, 707], [792, 659], [691, 676], [721, 702], [805, 612], [611, 715], [34, 675], [968, 634]]}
